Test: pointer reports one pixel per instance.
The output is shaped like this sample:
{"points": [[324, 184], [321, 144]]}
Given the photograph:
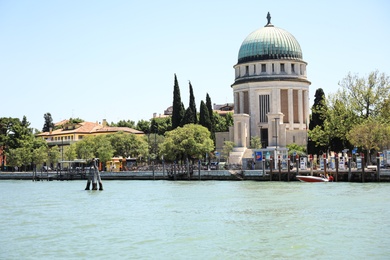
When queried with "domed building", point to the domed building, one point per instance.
{"points": [[271, 90]]}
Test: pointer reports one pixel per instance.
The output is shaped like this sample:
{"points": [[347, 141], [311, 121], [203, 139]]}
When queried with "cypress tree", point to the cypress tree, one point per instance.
{"points": [[177, 107], [188, 117], [211, 116], [317, 119], [192, 105], [204, 118]]}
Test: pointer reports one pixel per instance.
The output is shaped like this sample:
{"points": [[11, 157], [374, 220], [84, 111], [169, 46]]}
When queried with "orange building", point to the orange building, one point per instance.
{"points": [[73, 132]]}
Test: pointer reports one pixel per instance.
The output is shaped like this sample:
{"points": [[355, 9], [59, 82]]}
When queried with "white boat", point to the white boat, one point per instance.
{"points": [[304, 178]]}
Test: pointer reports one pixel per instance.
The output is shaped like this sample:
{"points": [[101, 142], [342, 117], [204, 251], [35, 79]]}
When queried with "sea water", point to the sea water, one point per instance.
{"points": [[194, 220]]}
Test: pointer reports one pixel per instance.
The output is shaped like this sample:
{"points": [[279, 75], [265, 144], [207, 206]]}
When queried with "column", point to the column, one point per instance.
{"points": [[306, 108], [236, 103], [241, 102], [290, 109], [300, 109]]}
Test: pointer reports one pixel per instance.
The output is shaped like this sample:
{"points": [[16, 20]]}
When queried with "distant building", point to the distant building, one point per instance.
{"points": [[271, 90], [223, 109], [69, 132]]}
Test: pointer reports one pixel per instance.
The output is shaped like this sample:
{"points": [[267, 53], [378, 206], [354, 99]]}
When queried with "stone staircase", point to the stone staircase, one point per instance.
{"points": [[235, 156]]}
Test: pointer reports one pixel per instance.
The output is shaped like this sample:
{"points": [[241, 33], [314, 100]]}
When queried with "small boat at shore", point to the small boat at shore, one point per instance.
{"points": [[304, 178]]}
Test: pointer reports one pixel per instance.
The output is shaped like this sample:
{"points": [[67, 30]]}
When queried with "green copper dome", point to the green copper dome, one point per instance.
{"points": [[269, 42]]}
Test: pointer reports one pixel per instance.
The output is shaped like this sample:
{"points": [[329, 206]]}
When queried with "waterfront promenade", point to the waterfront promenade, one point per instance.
{"points": [[369, 175]]}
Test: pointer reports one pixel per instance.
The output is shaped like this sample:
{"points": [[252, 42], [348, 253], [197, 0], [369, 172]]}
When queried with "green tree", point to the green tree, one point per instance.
{"points": [[295, 148], [177, 108], [188, 117], [192, 106], [365, 96], [102, 148], [14, 134], [39, 156], [85, 148], [222, 123], [76, 120], [15, 157], [227, 148], [204, 117], [338, 119], [70, 152], [160, 125], [124, 123], [211, 115], [48, 125], [384, 111], [128, 145], [188, 142], [144, 126], [370, 135], [317, 119], [255, 142], [54, 156]]}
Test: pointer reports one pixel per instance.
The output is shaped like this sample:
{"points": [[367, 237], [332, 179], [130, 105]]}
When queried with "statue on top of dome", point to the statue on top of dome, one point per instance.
{"points": [[269, 19]]}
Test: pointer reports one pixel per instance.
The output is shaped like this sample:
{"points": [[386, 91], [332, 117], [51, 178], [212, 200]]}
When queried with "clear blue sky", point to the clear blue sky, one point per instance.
{"points": [[116, 59]]}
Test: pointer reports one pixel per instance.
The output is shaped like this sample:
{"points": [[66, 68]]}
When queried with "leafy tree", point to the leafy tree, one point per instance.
{"points": [[188, 142], [370, 135], [70, 152], [178, 107], [337, 119], [144, 126], [128, 145], [255, 142], [102, 148], [384, 112], [85, 148], [222, 123], [227, 148], [75, 120], [15, 157], [153, 141], [124, 123], [160, 125], [39, 155], [298, 149], [48, 123], [365, 96], [229, 120], [14, 134], [54, 155]]}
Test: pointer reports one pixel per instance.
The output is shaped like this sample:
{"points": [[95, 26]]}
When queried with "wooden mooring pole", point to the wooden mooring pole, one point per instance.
{"points": [[94, 176]]}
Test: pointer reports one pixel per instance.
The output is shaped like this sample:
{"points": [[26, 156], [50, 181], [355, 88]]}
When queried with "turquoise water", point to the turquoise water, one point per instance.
{"points": [[194, 220]]}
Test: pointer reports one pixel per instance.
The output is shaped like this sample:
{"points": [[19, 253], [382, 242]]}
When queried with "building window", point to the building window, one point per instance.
{"points": [[254, 69], [273, 68], [263, 68], [293, 138], [282, 67], [301, 69], [246, 70], [292, 68], [263, 107]]}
